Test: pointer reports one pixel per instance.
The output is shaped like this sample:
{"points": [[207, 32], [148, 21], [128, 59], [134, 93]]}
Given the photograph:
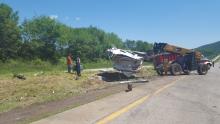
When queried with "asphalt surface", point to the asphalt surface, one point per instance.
{"points": [[193, 100], [187, 99]]}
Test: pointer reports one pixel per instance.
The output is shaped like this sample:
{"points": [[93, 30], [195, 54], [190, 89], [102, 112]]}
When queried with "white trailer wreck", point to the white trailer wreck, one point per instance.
{"points": [[125, 61]]}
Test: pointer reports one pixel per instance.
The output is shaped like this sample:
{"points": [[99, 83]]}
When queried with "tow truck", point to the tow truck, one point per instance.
{"points": [[177, 60]]}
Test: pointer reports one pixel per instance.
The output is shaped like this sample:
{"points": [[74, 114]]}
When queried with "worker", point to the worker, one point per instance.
{"points": [[78, 69], [165, 66], [69, 63]]}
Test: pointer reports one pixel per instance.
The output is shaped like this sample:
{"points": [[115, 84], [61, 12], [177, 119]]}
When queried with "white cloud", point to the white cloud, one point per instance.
{"points": [[77, 19], [53, 16]]}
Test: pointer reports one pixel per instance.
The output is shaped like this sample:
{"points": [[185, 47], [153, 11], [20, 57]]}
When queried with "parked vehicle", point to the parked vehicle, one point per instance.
{"points": [[176, 60]]}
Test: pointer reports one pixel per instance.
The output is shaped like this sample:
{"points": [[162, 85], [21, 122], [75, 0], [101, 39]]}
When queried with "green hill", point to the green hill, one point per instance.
{"points": [[210, 50]]}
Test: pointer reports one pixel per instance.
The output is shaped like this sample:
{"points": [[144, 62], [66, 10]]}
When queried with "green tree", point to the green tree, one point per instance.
{"points": [[91, 43], [143, 46], [9, 33], [139, 45], [130, 44], [43, 33]]}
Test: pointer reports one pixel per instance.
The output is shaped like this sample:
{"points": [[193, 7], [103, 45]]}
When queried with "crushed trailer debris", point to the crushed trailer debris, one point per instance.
{"points": [[125, 61]]}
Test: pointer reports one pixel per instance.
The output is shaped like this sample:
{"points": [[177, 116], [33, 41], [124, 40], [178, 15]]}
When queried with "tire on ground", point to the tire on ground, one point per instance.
{"points": [[176, 69], [202, 69]]}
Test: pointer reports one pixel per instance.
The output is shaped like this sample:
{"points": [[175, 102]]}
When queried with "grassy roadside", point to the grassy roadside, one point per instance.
{"points": [[46, 82], [143, 72], [13, 67], [46, 87], [43, 88]]}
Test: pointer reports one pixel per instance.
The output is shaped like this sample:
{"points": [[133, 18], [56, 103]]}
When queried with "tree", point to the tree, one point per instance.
{"points": [[143, 46], [139, 45], [130, 44], [43, 33], [91, 43], [9, 33]]}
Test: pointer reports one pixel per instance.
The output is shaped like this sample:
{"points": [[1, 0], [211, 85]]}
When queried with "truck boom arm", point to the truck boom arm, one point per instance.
{"points": [[164, 47]]}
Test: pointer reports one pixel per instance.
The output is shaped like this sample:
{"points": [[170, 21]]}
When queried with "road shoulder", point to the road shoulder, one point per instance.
{"points": [[94, 111]]}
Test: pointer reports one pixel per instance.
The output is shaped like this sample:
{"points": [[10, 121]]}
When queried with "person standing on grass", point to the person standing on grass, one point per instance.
{"points": [[78, 69], [69, 62]]}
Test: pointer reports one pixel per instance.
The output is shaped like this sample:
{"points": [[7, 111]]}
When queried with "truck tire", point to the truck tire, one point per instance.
{"points": [[202, 69], [209, 66], [176, 69]]}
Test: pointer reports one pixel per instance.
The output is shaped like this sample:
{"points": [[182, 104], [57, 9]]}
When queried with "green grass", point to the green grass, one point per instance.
{"points": [[46, 82], [98, 64], [147, 63], [42, 88], [28, 66], [17, 67]]}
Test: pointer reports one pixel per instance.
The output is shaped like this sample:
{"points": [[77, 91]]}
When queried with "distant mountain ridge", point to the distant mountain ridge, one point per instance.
{"points": [[210, 50]]}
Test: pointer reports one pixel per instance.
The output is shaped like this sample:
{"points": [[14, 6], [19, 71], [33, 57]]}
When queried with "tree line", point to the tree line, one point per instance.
{"points": [[210, 50], [48, 39]]}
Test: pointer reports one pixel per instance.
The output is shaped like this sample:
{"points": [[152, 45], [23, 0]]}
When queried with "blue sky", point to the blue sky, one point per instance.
{"points": [[189, 23]]}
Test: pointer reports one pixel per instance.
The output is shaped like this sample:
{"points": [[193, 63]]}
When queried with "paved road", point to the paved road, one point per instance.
{"points": [[192, 99]]}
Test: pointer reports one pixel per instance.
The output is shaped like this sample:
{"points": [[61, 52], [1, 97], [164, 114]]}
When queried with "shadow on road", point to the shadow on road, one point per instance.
{"points": [[114, 76]]}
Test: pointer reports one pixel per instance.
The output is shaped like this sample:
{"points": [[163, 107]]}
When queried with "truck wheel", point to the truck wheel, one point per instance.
{"points": [[202, 69], [209, 66], [176, 69]]}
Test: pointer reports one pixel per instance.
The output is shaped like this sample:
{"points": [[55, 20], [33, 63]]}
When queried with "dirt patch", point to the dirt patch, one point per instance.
{"points": [[37, 111], [113, 76], [94, 91], [40, 89]]}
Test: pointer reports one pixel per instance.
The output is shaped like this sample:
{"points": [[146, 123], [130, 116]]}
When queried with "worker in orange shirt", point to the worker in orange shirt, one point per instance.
{"points": [[69, 62]]}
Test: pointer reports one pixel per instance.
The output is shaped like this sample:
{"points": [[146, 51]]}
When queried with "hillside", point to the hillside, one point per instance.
{"points": [[210, 50]]}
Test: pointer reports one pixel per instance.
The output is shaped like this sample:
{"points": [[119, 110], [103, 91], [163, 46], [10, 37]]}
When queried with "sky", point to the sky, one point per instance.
{"points": [[187, 23]]}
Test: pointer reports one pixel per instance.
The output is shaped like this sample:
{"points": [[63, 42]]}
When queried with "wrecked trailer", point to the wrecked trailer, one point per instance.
{"points": [[125, 61]]}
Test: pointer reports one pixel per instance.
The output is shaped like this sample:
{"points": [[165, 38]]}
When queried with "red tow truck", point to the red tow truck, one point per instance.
{"points": [[177, 60]]}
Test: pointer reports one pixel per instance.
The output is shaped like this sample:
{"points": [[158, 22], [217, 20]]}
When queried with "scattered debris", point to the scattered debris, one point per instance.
{"points": [[134, 81], [77, 78], [19, 76], [39, 73], [129, 87], [129, 83], [214, 106], [21, 98]]}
